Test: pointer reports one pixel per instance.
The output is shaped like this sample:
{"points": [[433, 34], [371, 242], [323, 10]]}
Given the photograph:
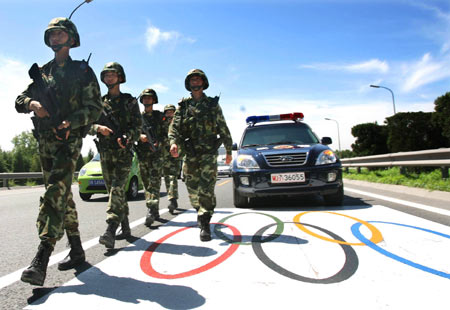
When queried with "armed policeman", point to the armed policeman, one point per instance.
{"points": [[199, 128], [117, 129], [149, 149], [171, 165], [65, 99]]}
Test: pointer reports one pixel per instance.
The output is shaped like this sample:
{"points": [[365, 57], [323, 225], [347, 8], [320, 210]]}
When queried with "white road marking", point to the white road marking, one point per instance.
{"points": [[400, 201]]}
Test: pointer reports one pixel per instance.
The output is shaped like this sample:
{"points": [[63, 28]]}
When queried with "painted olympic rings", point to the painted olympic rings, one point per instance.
{"points": [[349, 268], [376, 234], [276, 234], [147, 267], [355, 229]]}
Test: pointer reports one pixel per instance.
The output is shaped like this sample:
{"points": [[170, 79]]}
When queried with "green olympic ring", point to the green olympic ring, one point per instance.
{"points": [[276, 234]]}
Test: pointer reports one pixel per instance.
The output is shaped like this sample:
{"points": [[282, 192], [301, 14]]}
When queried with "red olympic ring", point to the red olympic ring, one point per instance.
{"points": [[146, 264]]}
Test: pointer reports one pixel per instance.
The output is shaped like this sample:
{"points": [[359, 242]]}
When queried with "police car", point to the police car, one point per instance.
{"points": [[280, 155]]}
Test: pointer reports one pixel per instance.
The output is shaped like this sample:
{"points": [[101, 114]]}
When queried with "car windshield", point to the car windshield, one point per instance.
{"points": [[285, 133], [96, 157]]}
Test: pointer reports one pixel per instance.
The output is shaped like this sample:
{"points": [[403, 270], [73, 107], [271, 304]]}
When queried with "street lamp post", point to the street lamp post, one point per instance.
{"points": [[339, 135], [392, 93]]}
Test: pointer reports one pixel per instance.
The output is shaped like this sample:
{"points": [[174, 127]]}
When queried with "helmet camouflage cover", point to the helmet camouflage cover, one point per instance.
{"points": [[113, 67], [169, 107], [65, 24], [149, 92], [199, 73]]}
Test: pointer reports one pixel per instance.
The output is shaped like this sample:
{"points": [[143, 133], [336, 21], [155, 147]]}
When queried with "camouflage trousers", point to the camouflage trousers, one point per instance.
{"points": [[150, 167], [116, 166], [171, 170], [200, 174], [57, 209]]}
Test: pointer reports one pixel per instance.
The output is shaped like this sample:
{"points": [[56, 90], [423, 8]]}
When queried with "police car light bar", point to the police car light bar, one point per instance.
{"points": [[296, 116]]}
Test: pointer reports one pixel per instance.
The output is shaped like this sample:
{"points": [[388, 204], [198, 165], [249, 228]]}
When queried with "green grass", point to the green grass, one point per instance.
{"points": [[427, 180]]}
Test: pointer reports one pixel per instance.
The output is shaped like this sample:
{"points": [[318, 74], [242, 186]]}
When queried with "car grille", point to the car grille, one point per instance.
{"points": [[286, 159]]}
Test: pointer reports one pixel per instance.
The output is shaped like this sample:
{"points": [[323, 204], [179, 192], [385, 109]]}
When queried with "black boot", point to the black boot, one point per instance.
{"points": [[152, 215], [76, 255], [173, 205], [125, 230], [108, 238], [35, 274], [205, 231]]}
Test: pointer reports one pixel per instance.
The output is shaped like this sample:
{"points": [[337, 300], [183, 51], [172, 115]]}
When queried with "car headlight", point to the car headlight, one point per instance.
{"points": [[246, 162], [326, 157], [82, 172]]}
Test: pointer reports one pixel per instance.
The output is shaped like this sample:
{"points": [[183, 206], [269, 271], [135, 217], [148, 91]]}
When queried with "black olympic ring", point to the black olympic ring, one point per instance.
{"points": [[349, 268]]}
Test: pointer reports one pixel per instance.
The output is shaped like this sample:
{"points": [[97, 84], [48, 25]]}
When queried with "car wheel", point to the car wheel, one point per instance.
{"points": [[85, 197], [133, 189], [335, 199], [240, 201]]}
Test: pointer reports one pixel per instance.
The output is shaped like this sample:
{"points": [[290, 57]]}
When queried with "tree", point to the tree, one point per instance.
{"points": [[441, 116], [25, 153], [413, 131], [371, 139]]}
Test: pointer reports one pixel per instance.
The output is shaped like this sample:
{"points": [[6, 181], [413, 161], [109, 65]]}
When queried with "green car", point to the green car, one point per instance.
{"points": [[90, 179]]}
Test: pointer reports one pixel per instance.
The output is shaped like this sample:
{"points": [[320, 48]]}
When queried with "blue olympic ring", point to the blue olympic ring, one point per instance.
{"points": [[355, 230]]}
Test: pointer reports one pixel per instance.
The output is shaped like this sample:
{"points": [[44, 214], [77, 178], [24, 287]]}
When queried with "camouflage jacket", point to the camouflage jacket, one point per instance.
{"points": [[154, 121], [200, 127], [121, 112], [77, 93]]}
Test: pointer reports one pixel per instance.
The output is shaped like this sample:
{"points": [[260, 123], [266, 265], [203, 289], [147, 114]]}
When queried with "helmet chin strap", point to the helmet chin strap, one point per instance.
{"points": [[196, 88], [111, 86], [58, 47]]}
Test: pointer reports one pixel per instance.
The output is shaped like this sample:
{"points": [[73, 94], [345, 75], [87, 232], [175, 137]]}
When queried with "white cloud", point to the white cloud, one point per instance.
{"points": [[425, 71], [155, 36], [13, 80], [159, 88], [370, 66]]}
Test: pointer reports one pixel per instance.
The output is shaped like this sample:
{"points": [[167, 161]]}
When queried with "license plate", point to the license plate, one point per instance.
{"points": [[294, 177], [96, 182]]}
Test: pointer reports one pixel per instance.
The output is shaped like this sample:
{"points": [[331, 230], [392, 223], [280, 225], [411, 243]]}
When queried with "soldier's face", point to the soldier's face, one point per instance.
{"points": [[196, 82], [147, 100], [58, 37], [169, 113], [111, 78]]}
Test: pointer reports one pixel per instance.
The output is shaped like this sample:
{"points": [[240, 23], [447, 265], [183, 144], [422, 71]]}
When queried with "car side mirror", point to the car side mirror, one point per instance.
{"points": [[326, 140], [234, 147]]}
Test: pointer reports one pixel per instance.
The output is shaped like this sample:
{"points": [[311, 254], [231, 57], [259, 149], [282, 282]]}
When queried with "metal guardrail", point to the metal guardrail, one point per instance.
{"points": [[426, 158], [22, 175]]}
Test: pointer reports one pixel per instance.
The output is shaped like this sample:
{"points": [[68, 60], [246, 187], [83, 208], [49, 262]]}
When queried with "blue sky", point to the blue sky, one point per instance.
{"points": [[263, 57]]}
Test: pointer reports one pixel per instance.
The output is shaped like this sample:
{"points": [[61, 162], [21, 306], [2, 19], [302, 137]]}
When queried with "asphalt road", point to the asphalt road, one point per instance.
{"points": [[18, 209]]}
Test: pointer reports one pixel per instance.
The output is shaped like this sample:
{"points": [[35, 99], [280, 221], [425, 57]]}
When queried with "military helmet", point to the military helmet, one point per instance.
{"points": [[66, 25], [169, 107], [199, 73], [149, 92], [113, 67]]}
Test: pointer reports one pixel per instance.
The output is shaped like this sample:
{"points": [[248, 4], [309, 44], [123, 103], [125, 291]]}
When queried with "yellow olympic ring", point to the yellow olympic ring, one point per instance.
{"points": [[376, 234]]}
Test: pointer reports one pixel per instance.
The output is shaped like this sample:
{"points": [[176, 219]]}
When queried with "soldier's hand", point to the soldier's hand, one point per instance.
{"points": [[174, 150], [65, 124], [228, 159], [37, 108], [119, 141], [143, 138], [104, 130]]}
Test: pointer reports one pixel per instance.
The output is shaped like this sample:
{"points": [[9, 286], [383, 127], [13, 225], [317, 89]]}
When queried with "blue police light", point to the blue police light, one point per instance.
{"points": [[296, 116]]}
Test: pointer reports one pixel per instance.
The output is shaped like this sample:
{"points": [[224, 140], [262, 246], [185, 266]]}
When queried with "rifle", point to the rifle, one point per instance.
{"points": [[148, 131], [47, 98], [111, 122]]}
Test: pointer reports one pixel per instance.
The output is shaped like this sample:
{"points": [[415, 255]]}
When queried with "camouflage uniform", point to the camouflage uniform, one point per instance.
{"points": [[151, 162], [121, 115], [115, 161], [195, 128], [171, 165], [78, 95]]}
